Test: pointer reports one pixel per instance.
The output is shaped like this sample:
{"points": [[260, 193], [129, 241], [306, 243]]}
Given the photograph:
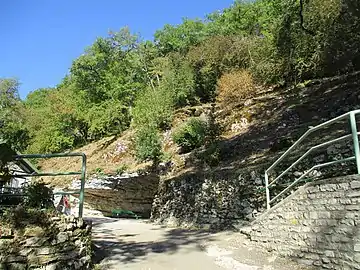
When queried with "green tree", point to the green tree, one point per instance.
{"points": [[109, 75], [108, 117], [107, 70], [12, 128], [181, 37], [178, 79], [154, 107], [55, 119], [191, 134], [120, 77], [209, 60]]}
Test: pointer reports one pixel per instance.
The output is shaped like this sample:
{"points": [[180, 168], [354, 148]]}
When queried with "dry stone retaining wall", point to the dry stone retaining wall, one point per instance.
{"points": [[228, 196], [213, 200], [318, 225], [66, 244]]}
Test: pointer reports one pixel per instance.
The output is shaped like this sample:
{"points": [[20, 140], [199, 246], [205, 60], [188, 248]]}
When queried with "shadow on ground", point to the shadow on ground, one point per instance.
{"points": [[125, 248]]}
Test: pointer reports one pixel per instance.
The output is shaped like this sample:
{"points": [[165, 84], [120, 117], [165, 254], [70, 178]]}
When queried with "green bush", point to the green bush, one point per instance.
{"points": [[191, 134], [107, 118], [121, 169], [99, 171], [211, 155], [38, 195], [209, 60], [148, 144], [4, 172], [213, 128], [20, 217], [51, 140]]}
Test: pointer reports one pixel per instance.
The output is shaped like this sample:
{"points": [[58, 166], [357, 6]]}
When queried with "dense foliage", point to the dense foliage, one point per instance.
{"points": [[38, 196], [148, 144], [122, 80], [191, 134], [234, 86], [12, 115]]}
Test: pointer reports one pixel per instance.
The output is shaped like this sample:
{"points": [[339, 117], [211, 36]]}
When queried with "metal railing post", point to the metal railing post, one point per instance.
{"points": [[81, 196], [82, 174], [267, 190], [354, 135], [355, 140]]}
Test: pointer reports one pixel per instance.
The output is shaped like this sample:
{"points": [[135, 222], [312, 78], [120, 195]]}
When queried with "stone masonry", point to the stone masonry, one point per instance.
{"points": [[64, 245], [214, 200], [317, 225]]}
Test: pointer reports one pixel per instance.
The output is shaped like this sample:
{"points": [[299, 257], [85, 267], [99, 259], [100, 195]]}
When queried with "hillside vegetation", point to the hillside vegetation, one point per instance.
{"points": [[126, 94]]}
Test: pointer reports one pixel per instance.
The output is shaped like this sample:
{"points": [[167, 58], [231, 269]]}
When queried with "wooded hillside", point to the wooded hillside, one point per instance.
{"points": [[123, 82]]}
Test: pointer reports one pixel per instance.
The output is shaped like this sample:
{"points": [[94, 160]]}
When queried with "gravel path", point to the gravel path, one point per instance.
{"points": [[133, 244]]}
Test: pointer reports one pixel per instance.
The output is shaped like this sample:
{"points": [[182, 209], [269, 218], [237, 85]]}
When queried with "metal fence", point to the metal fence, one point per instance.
{"points": [[82, 174], [354, 135]]}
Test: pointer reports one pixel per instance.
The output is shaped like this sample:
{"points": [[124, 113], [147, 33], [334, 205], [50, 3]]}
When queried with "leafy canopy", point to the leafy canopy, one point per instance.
{"points": [[122, 81]]}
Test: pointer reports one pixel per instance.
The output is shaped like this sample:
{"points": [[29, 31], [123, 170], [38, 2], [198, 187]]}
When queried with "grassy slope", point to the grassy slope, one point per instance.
{"points": [[272, 120]]}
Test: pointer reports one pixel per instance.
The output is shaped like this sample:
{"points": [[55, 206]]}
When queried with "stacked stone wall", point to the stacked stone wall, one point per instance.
{"points": [[318, 225], [64, 244]]}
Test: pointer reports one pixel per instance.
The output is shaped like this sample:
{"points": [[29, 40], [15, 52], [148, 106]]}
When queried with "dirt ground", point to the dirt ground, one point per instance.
{"points": [[140, 245]]}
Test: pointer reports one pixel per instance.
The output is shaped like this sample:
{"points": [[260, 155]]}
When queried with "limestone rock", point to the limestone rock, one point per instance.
{"points": [[35, 241], [16, 266], [52, 251], [61, 237]]}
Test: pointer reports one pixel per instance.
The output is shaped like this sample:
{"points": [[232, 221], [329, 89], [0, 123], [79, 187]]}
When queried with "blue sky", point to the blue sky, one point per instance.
{"points": [[41, 38]]}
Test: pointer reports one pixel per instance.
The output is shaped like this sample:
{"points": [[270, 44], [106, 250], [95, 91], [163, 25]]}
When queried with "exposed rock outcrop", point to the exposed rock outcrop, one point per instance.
{"points": [[129, 192]]}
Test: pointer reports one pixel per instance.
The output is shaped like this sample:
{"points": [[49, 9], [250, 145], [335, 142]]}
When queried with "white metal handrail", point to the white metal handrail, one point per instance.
{"points": [[354, 134]]}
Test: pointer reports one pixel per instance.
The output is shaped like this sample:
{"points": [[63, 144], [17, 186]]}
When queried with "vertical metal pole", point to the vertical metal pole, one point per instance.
{"points": [[267, 190], [82, 187], [355, 140]]}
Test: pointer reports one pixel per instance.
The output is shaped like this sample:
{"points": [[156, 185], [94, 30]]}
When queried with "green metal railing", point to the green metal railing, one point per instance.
{"points": [[354, 135], [82, 173]]}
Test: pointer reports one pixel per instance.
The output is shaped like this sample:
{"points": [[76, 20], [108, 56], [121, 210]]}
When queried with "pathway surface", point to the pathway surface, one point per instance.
{"points": [[139, 245]]}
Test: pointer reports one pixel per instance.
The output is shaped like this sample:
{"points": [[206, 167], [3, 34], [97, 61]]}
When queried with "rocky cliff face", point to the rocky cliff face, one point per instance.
{"points": [[128, 192]]}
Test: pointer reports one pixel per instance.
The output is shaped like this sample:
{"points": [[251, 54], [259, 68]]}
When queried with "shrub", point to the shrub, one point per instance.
{"points": [[51, 140], [191, 134], [38, 195], [99, 171], [148, 144], [235, 86], [213, 128], [209, 60], [211, 155], [4, 172], [107, 118], [265, 65], [22, 218], [121, 169]]}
